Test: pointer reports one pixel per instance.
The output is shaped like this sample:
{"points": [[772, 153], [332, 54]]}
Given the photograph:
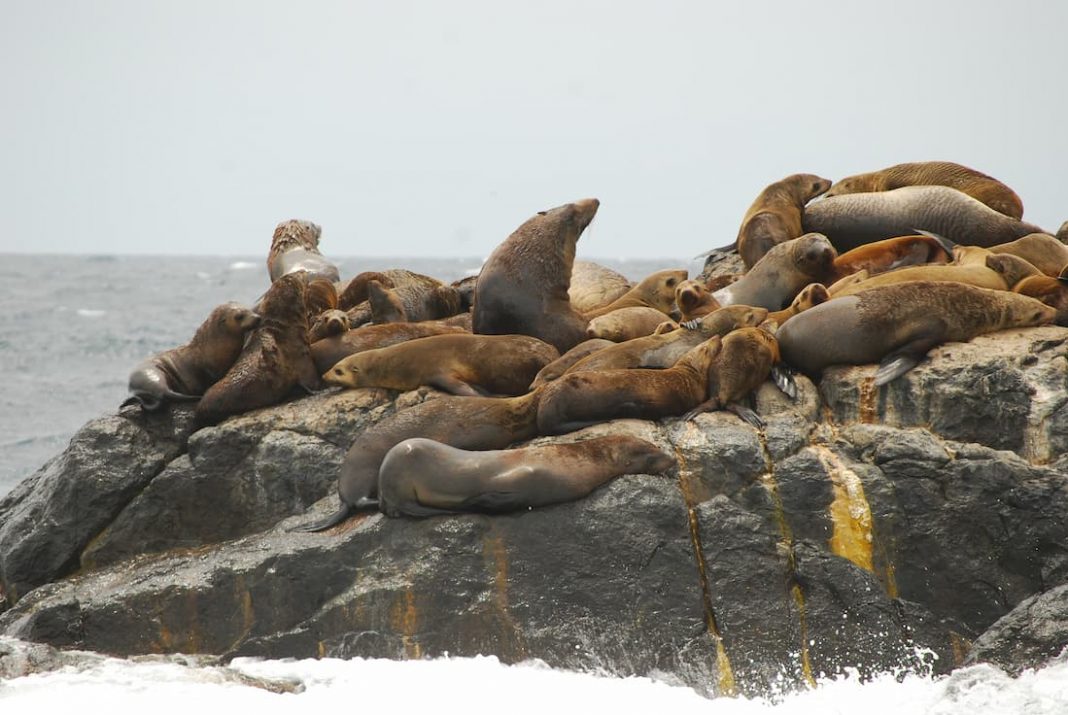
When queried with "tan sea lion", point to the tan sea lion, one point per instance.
{"points": [[775, 215], [1043, 251], [882, 256], [811, 295], [1051, 291], [523, 286], [295, 247], [594, 286], [852, 220], [974, 275], [578, 399], [657, 290], [460, 364], [185, 373], [421, 477], [328, 351], [979, 186], [743, 364], [694, 300], [896, 325], [327, 324], [274, 361], [625, 324], [779, 276], [560, 365], [478, 423]]}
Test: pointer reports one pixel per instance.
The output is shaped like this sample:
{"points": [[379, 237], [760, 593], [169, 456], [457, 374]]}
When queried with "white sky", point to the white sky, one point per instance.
{"points": [[436, 128]]}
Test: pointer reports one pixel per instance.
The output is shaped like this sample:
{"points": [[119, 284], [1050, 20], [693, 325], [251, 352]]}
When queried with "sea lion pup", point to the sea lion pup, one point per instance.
{"points": [[185, 373], [811, 295], [1051, 291], [625, 324], [295, 247], [694, 300], [328, 351], [563, 363], [275, 358], [478, 423], [522, 288], [978, 185], [852, 220], [743, 363], [461, 364], [594, 286], [896, 325], [665, 349], [657, 290], [1043, 251], [779, 276], [421, 477], [897, 252], [975, 275], [775, 215], [578, 399], [329, 323]]}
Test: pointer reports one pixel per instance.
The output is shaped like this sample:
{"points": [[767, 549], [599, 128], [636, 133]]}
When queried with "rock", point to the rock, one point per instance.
{"points": [[1029, 635]]}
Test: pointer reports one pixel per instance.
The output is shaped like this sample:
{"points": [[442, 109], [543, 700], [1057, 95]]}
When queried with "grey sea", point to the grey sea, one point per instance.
{"points": [[72, 328]]}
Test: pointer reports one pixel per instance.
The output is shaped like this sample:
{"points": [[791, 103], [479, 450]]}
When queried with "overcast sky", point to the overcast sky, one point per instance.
{"points": [[436, 128]]}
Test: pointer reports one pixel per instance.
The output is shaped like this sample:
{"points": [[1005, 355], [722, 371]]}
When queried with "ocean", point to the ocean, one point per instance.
{"points": [[72, 328]]}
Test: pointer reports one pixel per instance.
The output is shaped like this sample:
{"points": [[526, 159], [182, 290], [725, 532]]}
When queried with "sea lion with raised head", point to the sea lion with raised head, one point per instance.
{"points": [[295, 247], [185, 373], [896, 325], [421, 477], [978, 185], [779, 276], [694, 300], [775, 215], [328, 324]]}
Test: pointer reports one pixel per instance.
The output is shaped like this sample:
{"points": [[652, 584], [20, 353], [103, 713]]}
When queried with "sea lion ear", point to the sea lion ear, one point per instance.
{"points": [[542, 213]]}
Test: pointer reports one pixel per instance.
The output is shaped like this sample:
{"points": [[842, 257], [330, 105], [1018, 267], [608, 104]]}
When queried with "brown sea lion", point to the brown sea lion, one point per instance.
{"points": [[974, 275], [418, 297], [295, 247], [896, 325], [625, 324], [657, 290], [979, 186], [185, 373], [811, 295], [578, 399], [1062, 233], [327, 324], [1045, 252], [775, 215], [523, 286], [882, 256], [1051, 291], [460, 364], [594, 286], [421, 477], [354, 292], [852, 220], [694, 300], [478, 423], [274, 361], [385, 304], [743, 364], [560, 365], [779, 276], [328, 351]]}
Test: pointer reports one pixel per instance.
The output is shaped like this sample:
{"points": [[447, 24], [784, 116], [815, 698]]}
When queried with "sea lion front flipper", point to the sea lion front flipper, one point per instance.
{"points": [[493, 502], [946, 244], [893, 367], [784, 380], [454, 386], [706, 406], [746, 414]]}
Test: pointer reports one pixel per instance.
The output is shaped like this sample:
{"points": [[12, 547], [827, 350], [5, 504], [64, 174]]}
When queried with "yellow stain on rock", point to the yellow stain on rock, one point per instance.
{"points": [[849, 512], [867, 410], [404, 618], [496, 556]]}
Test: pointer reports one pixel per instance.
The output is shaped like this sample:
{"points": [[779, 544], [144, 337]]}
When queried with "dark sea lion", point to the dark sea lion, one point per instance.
{"points": [[625, 324], [354, 292], [418, 297], [561, 364], [478, 423], [694, 300], [775, 215], [896, 325], [656, 290], [979, 186], [421, 477], [275, 360], [744, 362], [851, 220], [462, 364], [385, 303], [593, 286], [185, 373], [327, 324], [974, 275], [1051, 291], [578, 399], [897, 252], [295, 247], [328, 351], [1045, 252], [779, 276], [522, 288]]}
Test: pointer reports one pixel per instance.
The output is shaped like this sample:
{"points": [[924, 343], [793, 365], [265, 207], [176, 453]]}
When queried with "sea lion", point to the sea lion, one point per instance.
{"points": [[594, 286], [385, 303], [665, 349], [275, 359], [1012, 269], [657, 290], [185, 373], [328, 351], [560, 365], [1062, 233], [775, 215], [460, 364], [1051, 291], [779, 276], [295, 247], [412, 295], [421, 477], [581, 398], [354, 292], [883, 256], [851, 220], [811, 295], [694, 300], [1043, 251], [625, 324], [478, 423], [327, 324], [465, 288], [979, 186], [896, 325], [974, 275], [522, 288], [744, 362]]}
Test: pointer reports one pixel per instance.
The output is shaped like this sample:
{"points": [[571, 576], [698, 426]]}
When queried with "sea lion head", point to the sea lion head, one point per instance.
{"points": [[284, 301], [1025, 312], [345, 373], [234, 318], [811, 295], [861, 183], [1012, 268], [809, 186], [295, 233], [813, 254], [576, 214], [641, 457], [657, 290], [689, 295]]}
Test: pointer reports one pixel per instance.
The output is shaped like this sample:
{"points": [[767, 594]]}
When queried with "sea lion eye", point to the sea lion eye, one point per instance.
{"points": [[671, 282]]}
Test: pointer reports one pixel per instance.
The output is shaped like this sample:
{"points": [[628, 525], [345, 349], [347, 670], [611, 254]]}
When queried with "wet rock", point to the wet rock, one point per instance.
{"points": [[1029, 635]]}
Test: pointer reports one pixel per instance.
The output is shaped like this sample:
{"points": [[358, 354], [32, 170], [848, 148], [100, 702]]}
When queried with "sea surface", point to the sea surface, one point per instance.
{"points": [[72, 328]]}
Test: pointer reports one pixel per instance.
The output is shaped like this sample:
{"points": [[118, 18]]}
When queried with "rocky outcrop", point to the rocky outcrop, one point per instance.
{"points": [[861, 528]]}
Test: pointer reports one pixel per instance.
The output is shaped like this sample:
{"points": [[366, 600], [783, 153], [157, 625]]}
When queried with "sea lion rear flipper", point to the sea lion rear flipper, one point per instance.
{"points": [[784, 380], [909, 355], [706, 406], [746, 414], [454, 386], [946, 244], [343, 512], [893, 367], [722, 249]]}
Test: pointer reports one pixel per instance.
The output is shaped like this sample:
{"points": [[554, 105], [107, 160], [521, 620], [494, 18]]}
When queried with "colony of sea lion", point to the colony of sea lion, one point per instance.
{"points": [[896, 262]]}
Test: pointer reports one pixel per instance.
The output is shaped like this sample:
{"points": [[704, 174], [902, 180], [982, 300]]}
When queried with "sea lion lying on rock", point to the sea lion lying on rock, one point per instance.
{"points": [[779, 276], [775, 215]]}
